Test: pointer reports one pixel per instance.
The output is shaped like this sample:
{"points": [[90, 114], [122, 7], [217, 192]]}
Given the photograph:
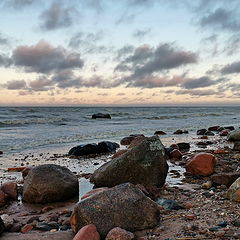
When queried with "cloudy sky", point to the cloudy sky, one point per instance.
{"points": [[109, 52]]}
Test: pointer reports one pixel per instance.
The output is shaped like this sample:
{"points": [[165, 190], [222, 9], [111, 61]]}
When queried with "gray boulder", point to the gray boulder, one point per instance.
{"points": [[234, 135], [49, 183], [123, 206], [144, 164]]}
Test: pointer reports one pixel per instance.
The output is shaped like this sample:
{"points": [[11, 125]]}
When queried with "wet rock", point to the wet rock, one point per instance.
{"points": [[43, 226], [119, 153], [26, 228], [119, 234], [236, 146], [226, 179], [231, 128], [145, 164], [3, 198], [176, 154], [1, 152], [49, 183], [201, 144], [180, 131], [169, 204], [214, 128], [2, 227], [201, 164], [93, 148], [7, 220], [234, 135], [209, 133], [201, 131], [224, 133], [159, 132], [88, 232], [93, 192], [101, 115], [136, 141], [233, 192], [183, 146], [126, 140], [124, 206], [10, 188]]}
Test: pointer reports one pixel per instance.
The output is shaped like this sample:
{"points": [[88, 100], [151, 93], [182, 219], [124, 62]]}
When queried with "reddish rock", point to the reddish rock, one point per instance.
{"points": [[214, 128], [136, 141], [226, 179], [3, 198], [224, 133], [201, 164], [88, 232], [176, 154], [203, 137], [93, 192], [174, 146], [26, 228], [10, 189], [119, 153], [126, 140], [160, 133], [220, 151], [119, 234]]}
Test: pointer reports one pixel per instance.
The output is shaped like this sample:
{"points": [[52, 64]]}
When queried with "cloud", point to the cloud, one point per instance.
{"points": [[57, 17], [147, 60], [231, 68], [42, 83], [15, 85], [125, 50], [140, 34], [197, 92], [4, 40], [44, 58], [5, 61], [20, 3], [232, 45]]}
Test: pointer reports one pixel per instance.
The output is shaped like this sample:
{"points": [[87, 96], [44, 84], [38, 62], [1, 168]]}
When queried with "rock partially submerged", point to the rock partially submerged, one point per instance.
{"points": [[144, 164], [101, 115], [234, 135], [93, 148], [49, 183], [124, 206]]}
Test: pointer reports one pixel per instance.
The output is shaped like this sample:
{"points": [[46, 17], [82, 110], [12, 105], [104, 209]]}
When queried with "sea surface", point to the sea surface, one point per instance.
{"points": [[34, 128]]}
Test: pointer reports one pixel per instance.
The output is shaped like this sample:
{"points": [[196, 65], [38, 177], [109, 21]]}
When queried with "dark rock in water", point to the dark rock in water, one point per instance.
{"points": [[1, 152], [226, 179], [201, 131], [169, 204], [231, 128], [201, 144], [10, 188], [2, 227], [214, 128], [175, 154], [93, 148], [49, 183], [183, 146], [144, 164], [209, 133], [101, 115], [160, 133], [124, 206], [234, 135], [236, 146], [126, 140], [179, 131], [3, 198]]}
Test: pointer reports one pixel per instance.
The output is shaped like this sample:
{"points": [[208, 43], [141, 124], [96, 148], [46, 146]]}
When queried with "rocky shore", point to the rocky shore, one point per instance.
{"points": [[143, 190]]}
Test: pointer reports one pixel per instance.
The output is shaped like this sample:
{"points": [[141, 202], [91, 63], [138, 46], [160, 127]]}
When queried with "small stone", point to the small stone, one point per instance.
{"points": [[190, 217], [220, 233], [26, 228], [188, 205], [16, 227], [88, 232], [10, 189], [119, 234], [207, 185], [160, 133], [46, 209], [7, 220]]}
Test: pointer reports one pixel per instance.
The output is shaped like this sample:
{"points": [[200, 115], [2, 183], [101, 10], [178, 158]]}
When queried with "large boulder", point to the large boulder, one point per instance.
{"points": [[234, 135], [123, 206], [49, 183], [233, 192], [101, 115], [144, 164], [201, 164], [93, 148]]}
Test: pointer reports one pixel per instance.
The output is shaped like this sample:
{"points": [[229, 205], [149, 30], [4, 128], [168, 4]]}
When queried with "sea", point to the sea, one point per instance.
{"points": [[43, 128]]}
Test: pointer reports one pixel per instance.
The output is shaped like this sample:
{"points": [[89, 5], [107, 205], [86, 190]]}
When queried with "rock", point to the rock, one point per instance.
{"points": [[2, 227], [234, 135], [231, 128], [201, 164], [236, 146], [119, 234], [124, 206], [201, 144], [119, 153], [7, 220], [136, 141], [93, 192], [26, 228], [144, 164], [214, 128], [233, 192], [209, 133], [176, 154], [3, 198], [101, 115], [49, 183], [126, 140], [183, 146], [226, 179], [88, 232], [207, 185], [179, 131], [169, 204], [224, 133], [10, 188], [160, 133], [201, 131], [1, 152], [174, 146], [93, 148]]}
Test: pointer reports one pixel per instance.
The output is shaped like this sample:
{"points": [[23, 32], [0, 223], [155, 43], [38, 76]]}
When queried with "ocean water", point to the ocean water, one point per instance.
{"points": [[32, 128]]}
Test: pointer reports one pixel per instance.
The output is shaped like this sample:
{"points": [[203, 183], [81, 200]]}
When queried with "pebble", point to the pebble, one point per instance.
{"points": [[26, 228]]}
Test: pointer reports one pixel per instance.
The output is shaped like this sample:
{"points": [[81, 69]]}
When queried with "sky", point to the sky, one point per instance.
{"points": [[128, 52]]}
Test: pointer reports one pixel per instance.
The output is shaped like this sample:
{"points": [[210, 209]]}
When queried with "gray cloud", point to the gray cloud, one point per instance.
{"points": [[42, 83], [5, 61], [44, 58], [125, 50], [4, 40], [15, 85], [57, 17], [20, 3], [232, 45], [231, 68], [197, 92], [140, 34]]}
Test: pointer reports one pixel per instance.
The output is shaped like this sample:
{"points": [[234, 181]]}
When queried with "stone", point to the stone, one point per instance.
{"points": [[7, 220], [119, 153], [88, 232], [126, 140], [26, 228], [201, 164], [1, 152], [176, 154], [169, 204], [10, 188], [125, 206], [93, 148], [209, 133], [119, 234], [3, 198], [2, 227], [159, 132], [49, 183], [231, 128], [144, 164], [136, 141], [207, 185], [234, 135], [233, 192], [224, 133], [180, 131], [214, 128], [183, 146], [226, 179], [101, 115], [93, 192], [236, 146], [201, 131]]}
